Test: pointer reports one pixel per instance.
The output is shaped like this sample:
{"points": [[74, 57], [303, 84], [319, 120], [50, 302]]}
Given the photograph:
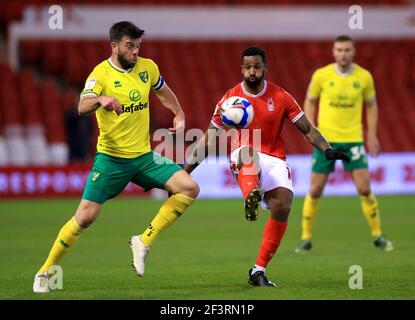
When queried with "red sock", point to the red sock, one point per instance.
{"points": [[273, 233], [248, 178]]}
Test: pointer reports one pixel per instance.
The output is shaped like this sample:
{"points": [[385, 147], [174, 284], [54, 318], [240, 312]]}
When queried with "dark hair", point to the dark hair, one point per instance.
{"points": [[124, 28], [254, 51], [344, 38]]}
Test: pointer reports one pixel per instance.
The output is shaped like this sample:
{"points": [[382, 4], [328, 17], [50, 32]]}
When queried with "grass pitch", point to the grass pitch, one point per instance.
{"points": [[207, 253]]}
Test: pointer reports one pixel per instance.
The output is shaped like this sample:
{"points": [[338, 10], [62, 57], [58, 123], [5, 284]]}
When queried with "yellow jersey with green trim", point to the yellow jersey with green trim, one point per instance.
{"points": [[341, 101], [126, 135]]}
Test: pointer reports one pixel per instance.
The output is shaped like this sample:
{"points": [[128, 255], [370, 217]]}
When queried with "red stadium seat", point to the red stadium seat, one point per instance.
{"points": [[70, 100], [30, 51], [53, 56]]}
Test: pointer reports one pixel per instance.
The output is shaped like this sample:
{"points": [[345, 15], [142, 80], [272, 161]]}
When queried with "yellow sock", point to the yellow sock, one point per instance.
{"points": [[66, 238], [169, 212], [309, 216], [371, 211]]}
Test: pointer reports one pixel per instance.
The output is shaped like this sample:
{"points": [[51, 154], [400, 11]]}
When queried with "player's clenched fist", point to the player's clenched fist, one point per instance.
{"points": [[110, 103]]}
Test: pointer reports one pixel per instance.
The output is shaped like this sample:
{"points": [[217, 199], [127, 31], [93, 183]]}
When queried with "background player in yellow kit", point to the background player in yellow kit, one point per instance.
{"points": [[117, 91], [343, 87]]}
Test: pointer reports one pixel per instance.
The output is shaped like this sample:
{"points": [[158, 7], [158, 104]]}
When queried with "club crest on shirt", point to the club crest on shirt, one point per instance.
{"points": [[143, 76], [270, 104]]}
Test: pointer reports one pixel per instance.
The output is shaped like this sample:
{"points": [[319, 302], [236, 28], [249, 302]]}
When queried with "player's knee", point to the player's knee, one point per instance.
{"points": [[86, 215], [85, 220], [190, 188], [316, 191], [280, 215], [194, 189], [279, 208], [364, 191]]}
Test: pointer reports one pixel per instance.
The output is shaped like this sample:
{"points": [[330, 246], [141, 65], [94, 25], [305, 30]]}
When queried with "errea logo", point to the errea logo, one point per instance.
{"points": [[134, 95]]}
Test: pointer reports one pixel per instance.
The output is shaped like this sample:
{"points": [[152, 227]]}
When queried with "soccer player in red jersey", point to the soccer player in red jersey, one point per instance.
{"points": [[261, 170]]}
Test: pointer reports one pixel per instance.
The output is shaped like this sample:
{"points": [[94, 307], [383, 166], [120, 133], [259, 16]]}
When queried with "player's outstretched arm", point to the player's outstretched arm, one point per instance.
{"points": [[202, 148], [88, 105], [170, 101], [317, 140]]}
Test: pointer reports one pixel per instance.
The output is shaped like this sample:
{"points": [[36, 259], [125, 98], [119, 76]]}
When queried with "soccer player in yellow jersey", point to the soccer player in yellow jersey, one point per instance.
{"points": [[343, 88], [117, 91]]}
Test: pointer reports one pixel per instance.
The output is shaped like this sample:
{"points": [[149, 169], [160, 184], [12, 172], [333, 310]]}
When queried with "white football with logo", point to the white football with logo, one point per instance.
{"points": [[236, 112]]}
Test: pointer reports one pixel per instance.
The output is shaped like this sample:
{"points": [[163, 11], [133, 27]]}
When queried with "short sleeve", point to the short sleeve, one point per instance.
{"points": [[315, 86], [94, 84], [157, 81], [369, 92], [293, 110]]}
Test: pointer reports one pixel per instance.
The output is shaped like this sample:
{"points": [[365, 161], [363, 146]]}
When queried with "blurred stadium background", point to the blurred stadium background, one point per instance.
{"points": [[46, 149]]}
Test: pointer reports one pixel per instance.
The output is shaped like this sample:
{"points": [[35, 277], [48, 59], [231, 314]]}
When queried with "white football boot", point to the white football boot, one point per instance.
{"points": [[41, 283], [140, 253]]}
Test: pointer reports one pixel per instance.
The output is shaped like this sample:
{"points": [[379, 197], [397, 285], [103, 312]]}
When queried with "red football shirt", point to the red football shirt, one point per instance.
{"points": [[271, 107]]}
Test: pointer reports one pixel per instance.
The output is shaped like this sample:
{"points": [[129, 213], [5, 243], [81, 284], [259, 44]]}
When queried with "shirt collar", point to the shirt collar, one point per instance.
{"points": [[341, 74], [254, 95], [118, 68]]}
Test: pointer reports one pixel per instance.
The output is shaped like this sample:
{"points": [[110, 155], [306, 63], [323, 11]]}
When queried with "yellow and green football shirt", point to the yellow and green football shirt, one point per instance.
{"points": [[341, 101], [126, 135]]}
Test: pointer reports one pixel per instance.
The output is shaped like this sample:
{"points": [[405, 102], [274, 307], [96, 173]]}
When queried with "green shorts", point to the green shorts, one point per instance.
{"points": [[356, 152], [110, 175]]}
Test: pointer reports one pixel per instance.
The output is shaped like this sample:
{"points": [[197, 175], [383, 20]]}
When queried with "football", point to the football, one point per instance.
{"points": [[236, 112]]}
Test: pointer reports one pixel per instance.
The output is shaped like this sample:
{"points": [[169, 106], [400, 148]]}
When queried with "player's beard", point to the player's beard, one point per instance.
{"points": [[254, 83], [124, 62]]}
